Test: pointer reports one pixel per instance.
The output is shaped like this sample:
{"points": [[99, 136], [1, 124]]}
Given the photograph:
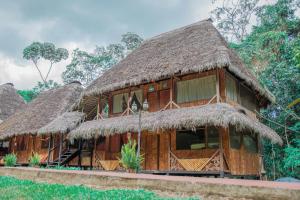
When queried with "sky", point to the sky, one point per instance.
{"points": [[82, 24]]}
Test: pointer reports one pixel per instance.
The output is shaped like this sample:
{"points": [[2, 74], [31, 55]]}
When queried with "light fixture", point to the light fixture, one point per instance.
{"points": [[134, 107], [145, 105]]}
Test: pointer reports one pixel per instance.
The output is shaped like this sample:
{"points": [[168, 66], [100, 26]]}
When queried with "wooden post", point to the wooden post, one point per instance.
{"points": [[221, 153], [171, 93], [60, 148], [79, 155], [92, 151], [49, 147], [217, 85]]}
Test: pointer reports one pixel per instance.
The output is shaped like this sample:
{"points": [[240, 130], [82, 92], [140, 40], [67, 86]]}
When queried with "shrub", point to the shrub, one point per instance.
{"points": [[129, 158], [35, 160], [10, 160]]}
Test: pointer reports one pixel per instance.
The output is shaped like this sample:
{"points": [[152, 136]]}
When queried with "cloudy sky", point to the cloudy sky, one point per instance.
{"points": [[83, 24]]}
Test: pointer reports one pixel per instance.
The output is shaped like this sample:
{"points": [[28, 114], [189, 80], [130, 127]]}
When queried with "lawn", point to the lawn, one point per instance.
{"points": [[12, 188]]}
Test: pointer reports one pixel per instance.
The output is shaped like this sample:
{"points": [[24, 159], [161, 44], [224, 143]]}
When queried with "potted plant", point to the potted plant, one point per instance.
{"points": [[129, 159], [35, 160], [10, 160]]}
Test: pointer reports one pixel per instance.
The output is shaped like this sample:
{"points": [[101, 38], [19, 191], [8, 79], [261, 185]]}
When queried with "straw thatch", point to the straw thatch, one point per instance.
{"points": [[10, 101], [63, 123], [219, 114], [190, 49], [41, 111]]}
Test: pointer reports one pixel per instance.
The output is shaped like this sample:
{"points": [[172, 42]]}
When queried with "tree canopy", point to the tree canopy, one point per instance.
{"points": [[271, 51], [37, 50], [86, 67]]}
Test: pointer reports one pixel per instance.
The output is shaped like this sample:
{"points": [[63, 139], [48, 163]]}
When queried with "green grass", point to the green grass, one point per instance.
{"points": [[12, 188]]}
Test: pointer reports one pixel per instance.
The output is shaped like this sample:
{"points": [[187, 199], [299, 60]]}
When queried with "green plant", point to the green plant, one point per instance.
{"points": [[129, 158], [35, 160], [10, 160]]}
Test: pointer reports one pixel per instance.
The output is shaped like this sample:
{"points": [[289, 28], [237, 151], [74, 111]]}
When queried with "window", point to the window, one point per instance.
{"points": [[247, 98], [137, 97], [196, 89], [4, 144], [212, 137], [250, 142], [120, 102], [235, 138], [44, 142], [101, 143], [231, 89], [22, 143], [105, 110], [188, 139]]}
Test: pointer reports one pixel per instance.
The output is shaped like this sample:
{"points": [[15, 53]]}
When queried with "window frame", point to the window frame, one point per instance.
{"points": [[205, 138], [176, 91]]}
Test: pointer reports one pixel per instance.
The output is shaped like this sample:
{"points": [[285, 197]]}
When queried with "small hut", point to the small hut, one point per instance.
{"points": [[202, 103], [10, 102], [22, 127]]}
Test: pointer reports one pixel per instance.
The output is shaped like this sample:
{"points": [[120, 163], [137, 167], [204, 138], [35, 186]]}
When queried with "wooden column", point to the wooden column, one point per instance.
{"points": [[79, 154], [217, 85], [221, 153], [171, 93], [60, 148], [49, 148], [92, 151]]}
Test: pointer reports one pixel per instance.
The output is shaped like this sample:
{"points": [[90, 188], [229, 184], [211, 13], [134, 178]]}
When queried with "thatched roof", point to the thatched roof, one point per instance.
{"points": [[63, 123], [41, 111], [194, 48], [10, 101], [219, 114]]}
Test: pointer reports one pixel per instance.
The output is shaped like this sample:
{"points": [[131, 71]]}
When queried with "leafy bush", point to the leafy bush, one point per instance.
{"points": [[10, 160], [35, 160], [129, 159]]}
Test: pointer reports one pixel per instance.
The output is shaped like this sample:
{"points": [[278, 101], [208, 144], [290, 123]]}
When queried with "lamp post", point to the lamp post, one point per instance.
{"points": [[134, 108]]}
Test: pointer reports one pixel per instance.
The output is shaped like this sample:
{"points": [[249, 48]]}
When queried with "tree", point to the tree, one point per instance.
{"points": [[35, 51], [29, 95], [86, 67], [233, 17], [271, 50]]}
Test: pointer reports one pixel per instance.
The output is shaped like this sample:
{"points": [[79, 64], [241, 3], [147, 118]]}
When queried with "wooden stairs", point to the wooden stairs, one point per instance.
{"points": [[66, 157]]}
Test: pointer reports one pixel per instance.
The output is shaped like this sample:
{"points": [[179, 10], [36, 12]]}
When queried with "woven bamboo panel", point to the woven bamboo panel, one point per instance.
{"points": [[193, 164], [109, 165]]}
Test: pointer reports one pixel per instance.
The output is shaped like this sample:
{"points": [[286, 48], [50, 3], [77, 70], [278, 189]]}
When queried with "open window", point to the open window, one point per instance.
{"points": [[213, 138], [196, 89], [190, 140], [231, 88], [100, 144], [137, 98], [235, 138], [120, 102], [250, 142]]}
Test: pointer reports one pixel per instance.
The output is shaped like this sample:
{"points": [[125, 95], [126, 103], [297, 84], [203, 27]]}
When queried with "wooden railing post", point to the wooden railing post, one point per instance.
{"points": [[221, 153], [60, 148], [79, 154], [49, 147]]}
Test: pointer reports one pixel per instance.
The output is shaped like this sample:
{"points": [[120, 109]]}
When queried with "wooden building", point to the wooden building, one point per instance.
{"points": [[22, 127], [201, 117], [202, 108]]}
